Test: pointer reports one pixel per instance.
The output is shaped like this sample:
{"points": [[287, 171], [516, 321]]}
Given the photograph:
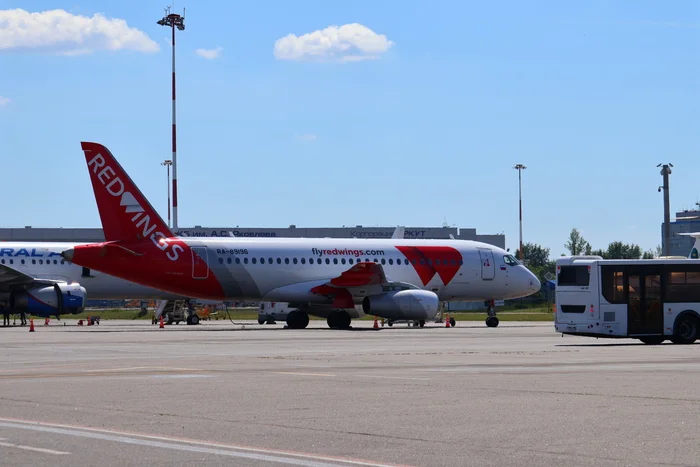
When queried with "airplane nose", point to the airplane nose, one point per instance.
{"points": [[68, 255], [534, 282]]}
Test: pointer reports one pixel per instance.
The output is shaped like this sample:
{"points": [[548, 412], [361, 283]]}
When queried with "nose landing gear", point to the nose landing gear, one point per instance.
{"points": [[491, 319]]}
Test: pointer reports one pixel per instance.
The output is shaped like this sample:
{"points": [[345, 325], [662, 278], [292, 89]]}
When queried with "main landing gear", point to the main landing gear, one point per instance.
{"points": [[297, 319], [192, 317], [339, 320], [491, 319]]}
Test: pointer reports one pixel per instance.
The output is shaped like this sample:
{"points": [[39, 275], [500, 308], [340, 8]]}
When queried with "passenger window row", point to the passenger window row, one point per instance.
{"points": [[384, 261], [34, 261]]}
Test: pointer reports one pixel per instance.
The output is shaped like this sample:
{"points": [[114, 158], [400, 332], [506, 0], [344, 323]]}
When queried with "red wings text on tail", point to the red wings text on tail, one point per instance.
{"points": [[125, 213]]}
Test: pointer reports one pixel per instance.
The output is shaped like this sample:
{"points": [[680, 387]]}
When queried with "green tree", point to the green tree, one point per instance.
{"points": [[577, 245], [649, 254], [602, 253], [619, 250], [536, 255]]}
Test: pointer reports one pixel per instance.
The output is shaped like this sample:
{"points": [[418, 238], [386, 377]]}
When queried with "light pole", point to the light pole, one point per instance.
{"points": [[666, 171], [173, 21], [167, 163], [520, 168]]}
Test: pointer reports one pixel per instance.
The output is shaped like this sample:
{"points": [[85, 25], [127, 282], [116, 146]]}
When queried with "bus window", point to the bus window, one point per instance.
{"points": [[683, 287], [613, 286], [574, 276]]}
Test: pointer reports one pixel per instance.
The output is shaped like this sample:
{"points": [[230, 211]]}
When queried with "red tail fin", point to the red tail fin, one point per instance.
{"points": [[125, 213]]}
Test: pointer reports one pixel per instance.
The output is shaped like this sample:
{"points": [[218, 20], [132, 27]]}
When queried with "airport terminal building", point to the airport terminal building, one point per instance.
{"points": [[90, 235]]}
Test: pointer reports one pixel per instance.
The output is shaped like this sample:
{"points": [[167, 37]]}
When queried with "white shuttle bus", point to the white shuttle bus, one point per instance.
{"points": [[650, 300]]}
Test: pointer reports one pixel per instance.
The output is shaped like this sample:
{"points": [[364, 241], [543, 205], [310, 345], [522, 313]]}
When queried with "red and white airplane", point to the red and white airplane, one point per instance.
{"points": [[391, 278]]}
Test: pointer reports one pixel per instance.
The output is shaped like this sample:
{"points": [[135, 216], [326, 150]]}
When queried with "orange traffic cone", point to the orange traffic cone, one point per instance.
{"points": [[161, 322], [447, 320], [46, 321], [376, 324], [31, 324]]}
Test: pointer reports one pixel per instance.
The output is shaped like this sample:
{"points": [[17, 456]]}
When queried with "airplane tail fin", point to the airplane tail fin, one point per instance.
{"points": [[125, 212], [399, 232], [696, 246]]}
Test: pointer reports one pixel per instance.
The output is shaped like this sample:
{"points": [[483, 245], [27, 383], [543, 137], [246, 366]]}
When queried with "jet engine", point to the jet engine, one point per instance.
{"points": [[60, 298], [403, 304]]}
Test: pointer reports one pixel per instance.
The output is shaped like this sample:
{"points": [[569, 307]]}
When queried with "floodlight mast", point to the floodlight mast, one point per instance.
{"points": [[174, 21]]}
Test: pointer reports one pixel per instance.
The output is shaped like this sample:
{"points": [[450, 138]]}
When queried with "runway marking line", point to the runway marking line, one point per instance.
{"points": [[394, 377], [31, 448], [302, 374], [251, 452]]}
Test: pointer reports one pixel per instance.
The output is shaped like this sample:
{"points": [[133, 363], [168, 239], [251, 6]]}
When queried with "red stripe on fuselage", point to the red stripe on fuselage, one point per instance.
{"points": [[429, 260]]}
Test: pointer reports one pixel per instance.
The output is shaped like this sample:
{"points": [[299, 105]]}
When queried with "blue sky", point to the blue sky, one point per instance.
{"points": [[590, 96]]}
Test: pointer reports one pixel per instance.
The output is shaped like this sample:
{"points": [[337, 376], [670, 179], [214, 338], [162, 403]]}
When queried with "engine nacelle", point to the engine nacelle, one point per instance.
{"points": [[57, 299], [403, 304]]}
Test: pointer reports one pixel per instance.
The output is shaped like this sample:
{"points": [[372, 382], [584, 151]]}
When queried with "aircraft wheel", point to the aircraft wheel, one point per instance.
{"points": [[421, 323], [339, 320], [453, 322], [390, 323], [297, 320], [492, 321], [261, 321]]}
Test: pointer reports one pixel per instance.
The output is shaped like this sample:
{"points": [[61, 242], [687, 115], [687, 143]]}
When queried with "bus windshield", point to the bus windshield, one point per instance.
{"points": [[574, 276]]}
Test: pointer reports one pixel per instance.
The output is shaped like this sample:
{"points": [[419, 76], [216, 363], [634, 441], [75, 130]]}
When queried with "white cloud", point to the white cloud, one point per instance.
{"points": [[4, 101], [308, 137], [60, 32], [209, 54], [347, 43]]}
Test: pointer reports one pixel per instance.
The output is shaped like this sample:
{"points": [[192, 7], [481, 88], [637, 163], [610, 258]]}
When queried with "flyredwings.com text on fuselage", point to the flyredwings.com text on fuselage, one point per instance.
{"points": [[346, 252]]}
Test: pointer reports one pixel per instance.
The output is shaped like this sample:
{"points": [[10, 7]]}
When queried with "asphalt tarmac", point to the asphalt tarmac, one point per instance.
{"points": [[128, 393]]}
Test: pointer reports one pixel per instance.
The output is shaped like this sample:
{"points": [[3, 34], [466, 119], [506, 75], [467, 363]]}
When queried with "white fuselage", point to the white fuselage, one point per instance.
{"points": [[42, 260]]}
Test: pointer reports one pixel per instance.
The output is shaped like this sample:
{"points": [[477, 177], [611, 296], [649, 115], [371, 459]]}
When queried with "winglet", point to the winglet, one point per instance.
{"points": [[125, 212], [696, 247], [399, 232]]}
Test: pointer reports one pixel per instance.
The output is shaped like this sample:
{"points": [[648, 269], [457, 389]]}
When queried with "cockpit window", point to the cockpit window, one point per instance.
{"points": [[510, 260]]}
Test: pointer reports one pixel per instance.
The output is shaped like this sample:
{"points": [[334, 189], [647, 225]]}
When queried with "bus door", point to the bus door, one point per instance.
{"points": [[644, 302]]}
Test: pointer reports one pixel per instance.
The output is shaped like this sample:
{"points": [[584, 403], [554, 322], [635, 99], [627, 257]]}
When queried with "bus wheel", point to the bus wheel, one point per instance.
{"points": [[655, 340], [686, 330]]}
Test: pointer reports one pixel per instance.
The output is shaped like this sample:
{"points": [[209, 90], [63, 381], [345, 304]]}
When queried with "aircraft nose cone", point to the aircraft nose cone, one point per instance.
{"points": [[68, 255]]}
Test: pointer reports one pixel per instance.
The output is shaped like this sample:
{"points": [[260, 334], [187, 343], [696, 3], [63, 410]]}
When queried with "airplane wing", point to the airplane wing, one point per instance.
{"points": [[360, 280], [10, 277]]}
